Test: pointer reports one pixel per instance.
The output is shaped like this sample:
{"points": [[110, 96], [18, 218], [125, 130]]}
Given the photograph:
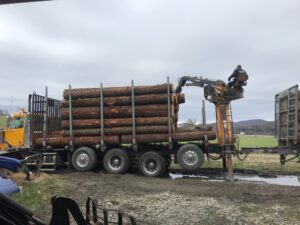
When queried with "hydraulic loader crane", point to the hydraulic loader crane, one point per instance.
{"points": [[221, 95]]}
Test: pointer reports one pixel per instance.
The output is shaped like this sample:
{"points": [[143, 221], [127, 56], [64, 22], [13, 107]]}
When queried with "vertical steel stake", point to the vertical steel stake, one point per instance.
{"points": [[45, 122], [169, 114], [103, 147], [71, 149], [134, 144], [205, 129]]}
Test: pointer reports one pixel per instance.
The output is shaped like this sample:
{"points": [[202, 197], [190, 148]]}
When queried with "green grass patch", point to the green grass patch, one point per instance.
{"points": [[259, 161], [256, 141], [37, 194]]}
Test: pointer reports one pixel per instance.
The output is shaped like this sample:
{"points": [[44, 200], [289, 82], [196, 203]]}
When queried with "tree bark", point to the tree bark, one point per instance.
{"points": [[117, 131], [117, 91], [154, 138], [126, 139], [120, 122], [117, 112], [126, 100], [63, 141], [192, 129]]}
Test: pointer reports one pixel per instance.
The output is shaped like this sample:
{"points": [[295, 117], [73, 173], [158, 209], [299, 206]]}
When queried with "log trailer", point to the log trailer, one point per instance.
{"points": [[144, 136], [51, 128]]}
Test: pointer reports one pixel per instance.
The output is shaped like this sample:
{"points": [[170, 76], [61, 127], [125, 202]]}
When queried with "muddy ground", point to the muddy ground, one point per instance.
{"points": [[182, 201]]}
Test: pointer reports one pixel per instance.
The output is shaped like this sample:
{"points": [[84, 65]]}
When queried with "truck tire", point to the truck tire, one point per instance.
{"points": [[84, 159], [190, 157], [152, 164], [116, 161]]}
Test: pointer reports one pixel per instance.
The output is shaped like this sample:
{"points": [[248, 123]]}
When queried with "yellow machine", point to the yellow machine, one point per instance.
{"points": [[221, 95], [13, 136]]}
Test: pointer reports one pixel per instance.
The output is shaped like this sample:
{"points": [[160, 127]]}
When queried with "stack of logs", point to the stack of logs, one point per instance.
{"points": [[151, 116]]}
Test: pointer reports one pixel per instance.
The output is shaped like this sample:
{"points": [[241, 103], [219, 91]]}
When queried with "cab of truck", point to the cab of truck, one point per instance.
{"points": [[13, 136]]}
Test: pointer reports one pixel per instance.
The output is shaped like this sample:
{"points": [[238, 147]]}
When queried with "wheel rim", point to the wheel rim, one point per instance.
{"points": [[82, 160], [115, 162], [190, 157], [151, 166]]}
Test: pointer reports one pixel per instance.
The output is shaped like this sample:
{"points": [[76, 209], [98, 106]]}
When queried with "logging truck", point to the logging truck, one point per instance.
{"points": [[133, 126]]}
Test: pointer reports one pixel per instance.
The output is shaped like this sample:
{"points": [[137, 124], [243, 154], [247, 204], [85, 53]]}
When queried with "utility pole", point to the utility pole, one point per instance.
{"points": [[11, 104]]}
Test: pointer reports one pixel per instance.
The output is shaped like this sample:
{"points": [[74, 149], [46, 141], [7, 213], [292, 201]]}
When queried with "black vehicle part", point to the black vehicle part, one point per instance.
{"points": [[190, 157], [116, 161], [61, 208], [168, 161], [15, 214], [84, 159], [92, 214], [12, 213], [152, 164]]}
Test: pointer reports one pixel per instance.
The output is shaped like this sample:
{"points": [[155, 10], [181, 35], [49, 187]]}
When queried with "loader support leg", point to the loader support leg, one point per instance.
{"points": [[224, 163], [230, 167]]}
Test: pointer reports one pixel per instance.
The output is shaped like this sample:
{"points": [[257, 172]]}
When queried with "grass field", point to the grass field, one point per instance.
{"points": [[256, 141], [36, 194], [261, 162]]}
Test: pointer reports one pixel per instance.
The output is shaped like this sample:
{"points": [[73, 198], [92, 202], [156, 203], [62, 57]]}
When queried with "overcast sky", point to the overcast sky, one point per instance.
{"points": [[87, 42]]}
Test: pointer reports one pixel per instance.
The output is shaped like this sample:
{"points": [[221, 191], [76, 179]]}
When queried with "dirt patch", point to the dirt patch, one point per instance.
{"points": [[183, 201], [20, 178]]}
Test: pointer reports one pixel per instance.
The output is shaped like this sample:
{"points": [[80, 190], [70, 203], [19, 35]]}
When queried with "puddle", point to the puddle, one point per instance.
{"points": [[175, 176], [277, 180]]}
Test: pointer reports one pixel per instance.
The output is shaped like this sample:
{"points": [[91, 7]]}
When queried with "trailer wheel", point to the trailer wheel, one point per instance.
{"points": [[152, 164], [190, 157], [84, 159], [116, 161]]}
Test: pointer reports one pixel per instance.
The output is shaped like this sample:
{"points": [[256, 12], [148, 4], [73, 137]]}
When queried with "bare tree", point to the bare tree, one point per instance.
{"points": [[192, 121]]}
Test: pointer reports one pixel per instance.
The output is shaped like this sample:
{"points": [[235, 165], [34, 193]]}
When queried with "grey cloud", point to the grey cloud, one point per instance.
{"points": [[87, 42]]}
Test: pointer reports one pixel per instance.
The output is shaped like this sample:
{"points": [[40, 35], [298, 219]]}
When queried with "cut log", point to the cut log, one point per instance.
{"points": [[117, 112], [63, 141], [180, 98], [125, 100], [154, 138], [120, 122], [117, 91], [117, 131], [192, 129]]}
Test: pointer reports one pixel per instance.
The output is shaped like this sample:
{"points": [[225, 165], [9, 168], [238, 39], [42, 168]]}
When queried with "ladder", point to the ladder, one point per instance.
{"points": [[49, 162], [291, 116]]}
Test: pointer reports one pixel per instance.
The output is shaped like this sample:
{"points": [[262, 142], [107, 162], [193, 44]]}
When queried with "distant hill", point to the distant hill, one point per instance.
{"points": [[257, 122], [256, 126]]}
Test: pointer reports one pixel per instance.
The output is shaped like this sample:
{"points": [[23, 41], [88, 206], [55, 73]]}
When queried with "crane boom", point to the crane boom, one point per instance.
{"points": [[221, 95]]}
